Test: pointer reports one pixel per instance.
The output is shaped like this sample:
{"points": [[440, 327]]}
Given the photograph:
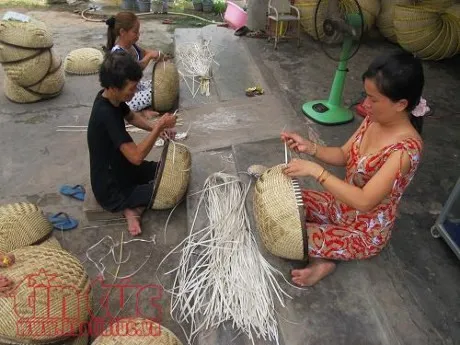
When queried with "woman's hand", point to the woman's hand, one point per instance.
{"points": [[301, 167], [298, 144], [167, 121]]}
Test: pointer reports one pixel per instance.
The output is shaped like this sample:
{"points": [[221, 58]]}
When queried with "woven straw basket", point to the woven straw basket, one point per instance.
{"points": [[51, 242], [307, 9], [33, 34], [172, 176], [452, 15], [148, 333], [437, 4], [18, 94], [29, 72], [47, 283], [370, 10], [21, 225], [9, 53], [280, 215], [384, 19], [165, 85], [51, 84], [83, 61], [419, 30]]}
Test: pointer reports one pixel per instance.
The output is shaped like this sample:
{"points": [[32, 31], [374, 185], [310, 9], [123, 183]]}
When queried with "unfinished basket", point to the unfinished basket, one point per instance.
{"points": [[52, 84], [136, 331], [165, 85], [10, 53], [18, 94], [172, 176], [22, 225], [50, 300], [83, 61], [29, 72], [33, 34], [56, 61], [280, 215]]}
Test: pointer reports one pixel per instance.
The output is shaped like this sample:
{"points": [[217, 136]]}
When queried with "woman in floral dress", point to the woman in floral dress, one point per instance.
{"points": [[352, 219]]}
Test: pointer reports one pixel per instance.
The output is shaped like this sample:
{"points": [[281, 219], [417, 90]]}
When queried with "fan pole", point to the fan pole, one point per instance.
{"points": [[335, 96], [331, 112]]}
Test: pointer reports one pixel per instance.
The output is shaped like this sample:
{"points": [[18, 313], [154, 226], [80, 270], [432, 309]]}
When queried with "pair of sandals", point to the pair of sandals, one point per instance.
{"points": [[61, 220]]}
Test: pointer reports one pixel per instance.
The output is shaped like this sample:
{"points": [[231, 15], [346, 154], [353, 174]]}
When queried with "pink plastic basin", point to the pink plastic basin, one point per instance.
{"points": [[235, 16]]}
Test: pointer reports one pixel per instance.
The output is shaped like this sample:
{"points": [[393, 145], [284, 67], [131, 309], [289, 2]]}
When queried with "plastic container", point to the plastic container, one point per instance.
{"points": [[235, 16]]}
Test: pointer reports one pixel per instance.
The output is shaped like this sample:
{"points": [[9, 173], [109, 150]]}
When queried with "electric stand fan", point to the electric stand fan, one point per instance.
{"points": [[339, 26]]}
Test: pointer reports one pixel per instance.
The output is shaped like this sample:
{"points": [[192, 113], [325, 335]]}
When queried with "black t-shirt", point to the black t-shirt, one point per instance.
{"points": [[110, 170]]}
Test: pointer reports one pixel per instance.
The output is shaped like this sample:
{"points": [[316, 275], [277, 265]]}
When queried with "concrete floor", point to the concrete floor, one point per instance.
{"points": [[407, 295]]}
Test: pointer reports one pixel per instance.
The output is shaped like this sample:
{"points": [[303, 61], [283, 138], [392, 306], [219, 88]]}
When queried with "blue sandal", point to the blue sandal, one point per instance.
{"points": [[62, 221], [77, 191]]}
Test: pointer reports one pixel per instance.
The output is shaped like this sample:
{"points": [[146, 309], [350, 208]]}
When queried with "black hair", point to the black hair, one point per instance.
{"points": [[117, 68], [399, 76], [122, 20]]}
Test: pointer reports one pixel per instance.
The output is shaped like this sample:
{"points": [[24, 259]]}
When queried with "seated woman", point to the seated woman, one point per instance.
{"points": [[120, 177], [353, 218], [122, 35]]}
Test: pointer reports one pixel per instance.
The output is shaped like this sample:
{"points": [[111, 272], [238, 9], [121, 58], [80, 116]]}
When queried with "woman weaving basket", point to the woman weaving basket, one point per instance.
{"points": [[353, 218], [122, 35], [120, 177]]}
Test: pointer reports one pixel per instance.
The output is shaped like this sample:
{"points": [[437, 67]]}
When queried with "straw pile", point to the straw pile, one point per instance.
{"points": [[32, 68]]}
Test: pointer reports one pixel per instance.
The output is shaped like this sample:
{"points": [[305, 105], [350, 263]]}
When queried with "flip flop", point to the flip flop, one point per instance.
{"points": [[77, 191], [62, 221]]}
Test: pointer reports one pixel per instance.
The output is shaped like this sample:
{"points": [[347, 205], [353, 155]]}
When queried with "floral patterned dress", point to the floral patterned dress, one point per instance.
{"points": [[340, 232]]}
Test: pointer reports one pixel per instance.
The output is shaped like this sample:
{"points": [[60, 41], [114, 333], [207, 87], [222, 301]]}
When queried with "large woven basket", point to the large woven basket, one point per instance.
{"points": [[172, 176], [437, 4], [452, 15], [419, 30], [83, 61], [370, 10], [49, 284], [136, 331], [33, 34], [9, 53], [165, 85], [21, 225], [384, 20], [18, 94], [280, 215], [29, 72], [307, 9], [51, 84]]}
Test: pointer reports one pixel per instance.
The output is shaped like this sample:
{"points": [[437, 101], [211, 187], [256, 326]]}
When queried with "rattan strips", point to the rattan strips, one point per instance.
{"points": [[280, 215], [172, 177]]}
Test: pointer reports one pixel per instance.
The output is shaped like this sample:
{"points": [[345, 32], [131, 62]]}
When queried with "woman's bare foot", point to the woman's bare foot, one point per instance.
{"points": [[316, 270], [6, 285], [133, 217]]}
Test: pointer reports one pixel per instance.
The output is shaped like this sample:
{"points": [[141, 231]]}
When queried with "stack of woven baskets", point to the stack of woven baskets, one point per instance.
{"points": [[430, 30], [33, 69], [47, 282]]}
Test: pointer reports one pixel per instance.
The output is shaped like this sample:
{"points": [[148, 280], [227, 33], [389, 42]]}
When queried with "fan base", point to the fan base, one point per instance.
{"points": [[327, 114]]}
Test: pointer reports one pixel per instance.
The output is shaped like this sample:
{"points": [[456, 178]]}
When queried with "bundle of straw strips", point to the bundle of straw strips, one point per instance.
{"points": [[195, 61], [222, 276]]}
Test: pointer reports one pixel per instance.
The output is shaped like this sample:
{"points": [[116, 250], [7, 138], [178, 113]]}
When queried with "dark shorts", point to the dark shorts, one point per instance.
{"points": [[142, 192]]}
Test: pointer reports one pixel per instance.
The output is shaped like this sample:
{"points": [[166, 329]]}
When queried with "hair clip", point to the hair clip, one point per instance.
{"points": [[421, 109]]}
